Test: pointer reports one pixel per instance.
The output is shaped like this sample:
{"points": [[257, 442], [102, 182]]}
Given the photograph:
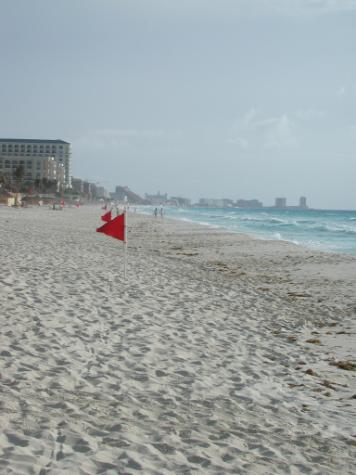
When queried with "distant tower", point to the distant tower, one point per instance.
{"points": [[303, 202], [280, 203]]}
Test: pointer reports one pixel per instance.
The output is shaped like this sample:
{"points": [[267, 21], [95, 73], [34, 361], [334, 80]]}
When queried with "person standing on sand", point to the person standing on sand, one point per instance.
{"points": [[155, 212], [161, 211]]}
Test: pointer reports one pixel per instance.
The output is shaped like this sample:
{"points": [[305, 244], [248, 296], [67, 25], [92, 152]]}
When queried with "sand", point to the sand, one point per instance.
{"points": [[220, 354]]}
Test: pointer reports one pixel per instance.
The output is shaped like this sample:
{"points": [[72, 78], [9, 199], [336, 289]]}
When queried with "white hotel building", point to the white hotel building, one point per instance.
{"points": [[39, 158]]}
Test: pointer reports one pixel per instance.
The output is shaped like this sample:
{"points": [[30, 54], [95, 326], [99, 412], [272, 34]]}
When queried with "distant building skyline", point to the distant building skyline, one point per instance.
{"points": [[159, 199], [281, 203]]}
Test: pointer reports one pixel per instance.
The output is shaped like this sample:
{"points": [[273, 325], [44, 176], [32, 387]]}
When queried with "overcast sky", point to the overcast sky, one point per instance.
{"points": [[199, 98]]}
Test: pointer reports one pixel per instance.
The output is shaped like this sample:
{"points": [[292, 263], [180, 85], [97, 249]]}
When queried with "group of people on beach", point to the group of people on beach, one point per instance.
{"points": [[156, 211]]}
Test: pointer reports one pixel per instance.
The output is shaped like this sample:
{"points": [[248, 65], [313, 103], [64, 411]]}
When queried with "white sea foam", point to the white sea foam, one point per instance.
{"points": [[333, 230]]}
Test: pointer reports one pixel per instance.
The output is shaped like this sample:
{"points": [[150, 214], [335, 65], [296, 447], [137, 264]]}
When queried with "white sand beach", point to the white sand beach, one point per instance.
{"points": [[220, 354]]}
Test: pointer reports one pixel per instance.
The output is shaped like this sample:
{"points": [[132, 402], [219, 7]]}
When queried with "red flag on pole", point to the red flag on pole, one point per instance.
{"points": [[106, 217], [115, 228]]}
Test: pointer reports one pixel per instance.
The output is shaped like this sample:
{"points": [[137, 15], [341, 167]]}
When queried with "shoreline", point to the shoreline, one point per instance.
{"points": [[201, 362], [327, 246]]}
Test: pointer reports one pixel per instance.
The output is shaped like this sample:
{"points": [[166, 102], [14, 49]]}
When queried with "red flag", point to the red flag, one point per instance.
{"points": [[106, 217], [114, 228]]}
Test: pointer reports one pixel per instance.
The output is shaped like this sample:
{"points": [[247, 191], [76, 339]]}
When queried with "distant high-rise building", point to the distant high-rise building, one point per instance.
{"points": [[157, 199], [77, 185], [303, 202], [211, 203], [280, 203], [124, 194], [180, 201], [38, 158], [249, 204]]}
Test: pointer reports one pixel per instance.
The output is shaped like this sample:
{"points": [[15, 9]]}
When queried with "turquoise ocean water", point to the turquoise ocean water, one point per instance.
{"points": [[323, 230]]}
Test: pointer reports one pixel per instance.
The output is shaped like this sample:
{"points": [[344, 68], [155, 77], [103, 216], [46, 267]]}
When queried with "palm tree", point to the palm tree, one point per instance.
{"points": [[19, 174], [4, 180]]}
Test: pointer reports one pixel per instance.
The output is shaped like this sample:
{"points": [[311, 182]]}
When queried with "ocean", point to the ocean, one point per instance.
{"points": [[324, 230]]}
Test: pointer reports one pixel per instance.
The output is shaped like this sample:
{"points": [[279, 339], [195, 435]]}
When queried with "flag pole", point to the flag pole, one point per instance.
{"points": [[125, 242]]}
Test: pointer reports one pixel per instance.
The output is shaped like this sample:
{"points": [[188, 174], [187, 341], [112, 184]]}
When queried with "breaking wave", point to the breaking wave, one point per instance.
{"points": [[323, 230]]}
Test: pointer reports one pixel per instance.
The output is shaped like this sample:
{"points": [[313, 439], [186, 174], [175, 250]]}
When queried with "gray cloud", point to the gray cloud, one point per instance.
{"points": [[258, 130], [310, 114]]}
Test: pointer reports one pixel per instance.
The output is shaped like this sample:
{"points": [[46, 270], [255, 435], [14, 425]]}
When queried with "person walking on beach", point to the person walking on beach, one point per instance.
{"points": [[161, 211], [155, 212]]}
